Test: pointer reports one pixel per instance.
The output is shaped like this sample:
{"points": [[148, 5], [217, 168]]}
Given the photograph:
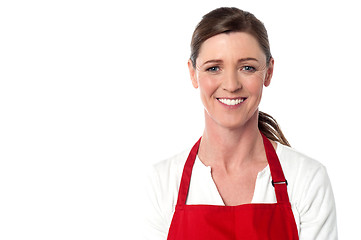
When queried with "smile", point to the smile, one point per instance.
{"points": [[231, 102]]}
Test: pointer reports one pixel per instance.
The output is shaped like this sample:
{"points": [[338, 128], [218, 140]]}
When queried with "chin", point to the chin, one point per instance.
{"points": [[234, 123]]}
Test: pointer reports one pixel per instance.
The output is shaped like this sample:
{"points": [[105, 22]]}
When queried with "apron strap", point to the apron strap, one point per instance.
{"points": [[187, 173], [279, 181]]}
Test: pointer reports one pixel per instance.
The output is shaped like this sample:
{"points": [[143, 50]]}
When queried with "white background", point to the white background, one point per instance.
{"points": [[92, 92]]}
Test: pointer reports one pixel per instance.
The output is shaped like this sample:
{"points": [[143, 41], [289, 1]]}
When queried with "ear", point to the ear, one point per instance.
{"points": [[269, 73], [193, 74]]}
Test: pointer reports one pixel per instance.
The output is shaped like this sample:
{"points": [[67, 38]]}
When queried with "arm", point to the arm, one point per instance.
{"points": [[317, 208], [156, 227]]}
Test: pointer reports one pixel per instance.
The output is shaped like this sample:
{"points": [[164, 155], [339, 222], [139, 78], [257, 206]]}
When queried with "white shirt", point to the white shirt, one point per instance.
{"points": [[309, 191]]}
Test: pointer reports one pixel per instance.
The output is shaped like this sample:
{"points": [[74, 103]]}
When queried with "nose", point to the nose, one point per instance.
{"points": [[232, 82]]}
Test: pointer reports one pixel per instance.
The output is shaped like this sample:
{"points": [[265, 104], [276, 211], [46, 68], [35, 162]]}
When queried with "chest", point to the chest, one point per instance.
{"points": [[237, 188]]}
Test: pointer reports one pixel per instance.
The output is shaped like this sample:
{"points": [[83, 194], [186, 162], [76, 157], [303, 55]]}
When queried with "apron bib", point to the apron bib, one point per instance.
{"points": [[247, 221]]}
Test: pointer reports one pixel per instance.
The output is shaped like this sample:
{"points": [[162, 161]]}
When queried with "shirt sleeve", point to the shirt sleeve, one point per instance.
{"points": [[156, 227], [317, 207]]}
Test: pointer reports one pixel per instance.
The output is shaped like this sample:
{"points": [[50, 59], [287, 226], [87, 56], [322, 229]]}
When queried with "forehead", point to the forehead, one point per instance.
{"points": [[231, 46]]}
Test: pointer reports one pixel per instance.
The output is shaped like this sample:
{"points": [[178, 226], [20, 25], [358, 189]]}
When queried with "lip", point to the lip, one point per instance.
{"points": [[232, 98]]}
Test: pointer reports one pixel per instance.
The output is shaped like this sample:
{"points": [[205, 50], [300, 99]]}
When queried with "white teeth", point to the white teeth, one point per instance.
{"points": [[230, 102]]}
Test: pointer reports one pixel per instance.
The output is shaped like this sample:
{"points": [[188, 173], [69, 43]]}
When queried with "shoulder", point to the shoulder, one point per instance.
{"points": [[309, 186], [307, 177], [291, 157], [298, 167], [169, 171], [310, 192], [162, 185], [163, 182], [172, 163]]}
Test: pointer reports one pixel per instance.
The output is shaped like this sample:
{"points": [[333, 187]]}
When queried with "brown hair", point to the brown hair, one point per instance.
{"points": [[224, 20]]}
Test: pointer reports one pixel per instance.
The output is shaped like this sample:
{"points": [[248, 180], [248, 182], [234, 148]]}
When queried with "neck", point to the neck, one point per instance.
{"points": [[231, 148]]}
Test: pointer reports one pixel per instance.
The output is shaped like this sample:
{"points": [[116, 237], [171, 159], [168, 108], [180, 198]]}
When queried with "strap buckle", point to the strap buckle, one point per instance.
{"points": [[282, 182]]}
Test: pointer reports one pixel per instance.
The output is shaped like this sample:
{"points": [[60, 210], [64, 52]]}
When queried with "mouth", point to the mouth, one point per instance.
{"points": [[231, 101]]}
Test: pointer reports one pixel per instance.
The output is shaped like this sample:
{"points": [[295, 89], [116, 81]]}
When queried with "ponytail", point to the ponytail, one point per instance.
{"points": [[270, 128]]}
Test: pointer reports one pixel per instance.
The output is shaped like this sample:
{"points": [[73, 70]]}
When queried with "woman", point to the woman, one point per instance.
{"points": [[241, 180]]}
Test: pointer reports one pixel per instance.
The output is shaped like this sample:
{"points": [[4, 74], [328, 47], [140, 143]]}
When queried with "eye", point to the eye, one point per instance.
{"points": [[213, 69], [249, 69]]}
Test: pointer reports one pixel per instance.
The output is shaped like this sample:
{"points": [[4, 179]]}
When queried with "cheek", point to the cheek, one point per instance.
{"points": [[207, 85], [254, 86]]}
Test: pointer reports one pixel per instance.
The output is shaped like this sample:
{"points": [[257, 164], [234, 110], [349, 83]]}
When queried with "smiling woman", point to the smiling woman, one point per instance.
{"points": [[231, 68], [241, 180]]}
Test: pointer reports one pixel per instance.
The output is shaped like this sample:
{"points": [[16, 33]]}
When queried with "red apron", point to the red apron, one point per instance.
{"points": [[247, 221]]}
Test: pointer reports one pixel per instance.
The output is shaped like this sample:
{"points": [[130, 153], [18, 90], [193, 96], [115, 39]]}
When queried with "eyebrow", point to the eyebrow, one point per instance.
{"points": [[239, 61]]}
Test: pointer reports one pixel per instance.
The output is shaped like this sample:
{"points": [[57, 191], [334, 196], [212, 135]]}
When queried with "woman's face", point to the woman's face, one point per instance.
{"points": [[230, 72]]}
